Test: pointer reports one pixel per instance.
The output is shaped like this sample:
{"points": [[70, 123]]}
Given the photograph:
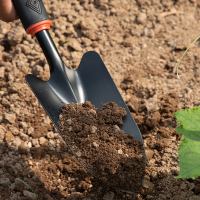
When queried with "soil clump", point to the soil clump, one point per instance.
{"points": [[108, 152]]}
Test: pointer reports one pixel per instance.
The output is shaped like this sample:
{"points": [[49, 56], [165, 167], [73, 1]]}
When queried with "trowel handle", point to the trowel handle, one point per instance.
{"points": [[33, 15]]}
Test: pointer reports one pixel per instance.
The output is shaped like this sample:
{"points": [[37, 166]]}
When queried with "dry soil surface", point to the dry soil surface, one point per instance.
{"points": [[141, 42]]}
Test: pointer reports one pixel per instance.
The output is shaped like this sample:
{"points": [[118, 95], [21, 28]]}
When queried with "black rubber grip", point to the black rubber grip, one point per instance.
{"points": [[30, 11]]}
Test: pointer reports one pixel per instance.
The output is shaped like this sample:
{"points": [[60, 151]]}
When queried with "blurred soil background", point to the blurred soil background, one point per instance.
{"points": [[140, 42]]}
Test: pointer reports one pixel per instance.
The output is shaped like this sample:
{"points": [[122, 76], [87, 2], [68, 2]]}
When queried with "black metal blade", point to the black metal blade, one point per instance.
{"points": [[100, 89]]}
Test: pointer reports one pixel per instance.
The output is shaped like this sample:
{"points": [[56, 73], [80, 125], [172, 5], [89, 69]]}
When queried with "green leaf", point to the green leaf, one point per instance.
{"points": [[189, 159], [190, 123], [189, 149]]}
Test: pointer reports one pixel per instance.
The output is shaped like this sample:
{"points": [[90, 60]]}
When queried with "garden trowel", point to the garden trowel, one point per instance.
{"points": [[90, 82]]}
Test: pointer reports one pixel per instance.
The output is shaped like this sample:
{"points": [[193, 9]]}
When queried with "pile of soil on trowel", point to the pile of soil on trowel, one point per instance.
{"points": [[112, 155]]}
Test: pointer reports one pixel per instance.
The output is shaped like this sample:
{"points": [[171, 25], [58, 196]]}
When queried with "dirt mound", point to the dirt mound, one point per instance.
{"points": [[108, 152]]}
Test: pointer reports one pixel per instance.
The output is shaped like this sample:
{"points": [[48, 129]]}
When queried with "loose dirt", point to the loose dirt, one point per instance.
{"points": [[140, 42], [108, 152]]}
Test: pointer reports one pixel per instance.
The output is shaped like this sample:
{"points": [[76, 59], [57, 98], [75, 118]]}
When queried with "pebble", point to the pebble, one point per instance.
{"points": [[43, 141], [15, 35], [120, 151], [50, 135], [5, 182], [35, 142], [14, 131], [28, 194], [29, 144], [93, 129], [108, 196], [149, 154], [23, 136], [23, 125], [74, 44], [141, 18], [2, 72], [79, 153], [69, 121], [10, 117], [52, 143], [117, 129], [30, 130], [94, 144], [14, 143]]}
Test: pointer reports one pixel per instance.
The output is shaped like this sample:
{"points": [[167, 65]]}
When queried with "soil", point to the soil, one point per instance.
{"points": [[108, 152], [140, 42]]}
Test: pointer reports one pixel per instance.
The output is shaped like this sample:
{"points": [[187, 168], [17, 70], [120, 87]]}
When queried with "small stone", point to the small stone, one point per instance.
{"points": [[94, 144], [50, 135], [47, 120], [3, 132], [69, 121], [120, 151], [9, 136], [30, 130], [4, 101], [35, 142], [108, 196], [95, 44], [86, 41], [48, 197], [141, 18], [10, 117], [116, 128], [93, 129], [92, 111], [74, 44], [59, 181], [52, 143], [23, 136], [14, 131], [23, 125], [14, 143], [101, 2], [133, 105], [37, 70], [60, 187], [79, 153], [29, 144], [22, 148], [5, 182], [113, 11], [148, 186], [2, 72], [18, 167], [28, 194], [128, 42], [30, 162], [182, 186], [43, 141], [149, 154], [15, 87], [12, 186], [88, 24], [15, 35]]}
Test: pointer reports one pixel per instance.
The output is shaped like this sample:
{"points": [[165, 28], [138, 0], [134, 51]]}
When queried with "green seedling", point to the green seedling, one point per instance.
{"points": [[189, 149], [184, 54], [26, 184]]}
